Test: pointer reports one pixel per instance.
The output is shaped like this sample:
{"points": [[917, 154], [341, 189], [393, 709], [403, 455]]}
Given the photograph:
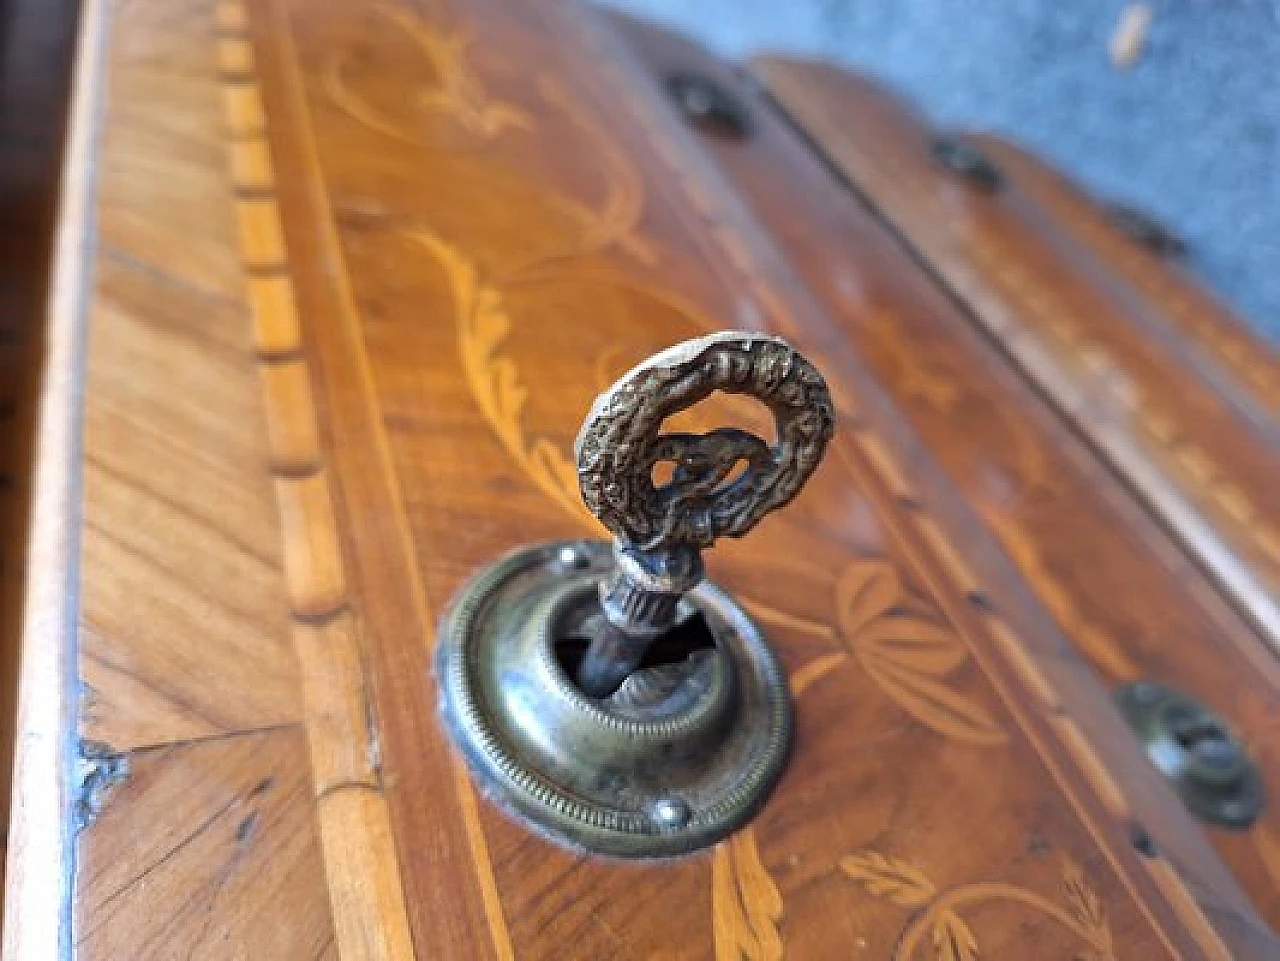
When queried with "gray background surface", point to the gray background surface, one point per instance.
{"points": [[1190, 133]]}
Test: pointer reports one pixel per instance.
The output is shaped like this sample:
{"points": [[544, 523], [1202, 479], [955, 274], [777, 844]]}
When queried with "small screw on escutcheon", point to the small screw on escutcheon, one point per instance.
{"points": [[707, 105], [969, 162], [671, 812], [1145, 231], [1196, 752], [573, 559]]}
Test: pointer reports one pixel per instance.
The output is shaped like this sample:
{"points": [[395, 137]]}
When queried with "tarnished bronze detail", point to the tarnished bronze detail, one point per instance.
{"points": [[659, 530], [968, 161], [709, 106], [609, 694], [1144, 230], [673, 760], [1196, 751]]}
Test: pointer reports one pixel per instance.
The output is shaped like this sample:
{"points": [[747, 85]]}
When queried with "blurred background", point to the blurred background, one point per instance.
{"points": [[1170, 106]]}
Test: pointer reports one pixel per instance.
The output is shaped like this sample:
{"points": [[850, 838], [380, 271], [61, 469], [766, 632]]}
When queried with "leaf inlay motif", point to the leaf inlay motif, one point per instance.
{"points": [[937, 921]]}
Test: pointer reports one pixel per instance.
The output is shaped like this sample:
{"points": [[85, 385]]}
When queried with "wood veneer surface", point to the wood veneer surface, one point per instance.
{"points": [[341, 342], [457, 335]]}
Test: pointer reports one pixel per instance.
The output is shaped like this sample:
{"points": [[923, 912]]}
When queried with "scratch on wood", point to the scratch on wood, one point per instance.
{"points": [[247, 828]]}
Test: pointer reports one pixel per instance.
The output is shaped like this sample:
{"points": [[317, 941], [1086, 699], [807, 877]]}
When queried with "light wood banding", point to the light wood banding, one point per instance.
{"points": [[291, 423]]}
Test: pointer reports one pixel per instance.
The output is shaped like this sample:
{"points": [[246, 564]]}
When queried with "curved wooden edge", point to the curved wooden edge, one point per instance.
{"points": [[1165, 464], [1251, 361], [37, 904]]}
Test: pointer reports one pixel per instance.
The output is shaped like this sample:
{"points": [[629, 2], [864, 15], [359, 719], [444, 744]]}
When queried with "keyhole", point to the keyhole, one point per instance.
{"points": [[676, 646]]}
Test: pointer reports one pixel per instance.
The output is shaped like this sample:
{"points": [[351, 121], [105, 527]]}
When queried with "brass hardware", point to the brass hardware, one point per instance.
{"points": [[1145, 230], [608, 694], [968, 161], [1196, 751], [707, 105], [660, 531]]}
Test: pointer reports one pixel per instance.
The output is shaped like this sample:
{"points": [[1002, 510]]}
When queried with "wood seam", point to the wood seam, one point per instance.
{"points": [[1158, 869]]}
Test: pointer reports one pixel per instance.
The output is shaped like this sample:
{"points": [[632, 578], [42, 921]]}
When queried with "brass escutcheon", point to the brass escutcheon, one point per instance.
{"points": [[1196, 752], [607, 694]]}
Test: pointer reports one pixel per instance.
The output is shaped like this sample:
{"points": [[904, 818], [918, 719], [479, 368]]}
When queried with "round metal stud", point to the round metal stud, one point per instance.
{"points": [[708, 105], [968, 161], [1145, 230], [671, 812], [1196, 751]]}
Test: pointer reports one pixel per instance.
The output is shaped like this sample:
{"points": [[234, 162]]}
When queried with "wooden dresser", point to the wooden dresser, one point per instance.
{"points": [[332, 287]]}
